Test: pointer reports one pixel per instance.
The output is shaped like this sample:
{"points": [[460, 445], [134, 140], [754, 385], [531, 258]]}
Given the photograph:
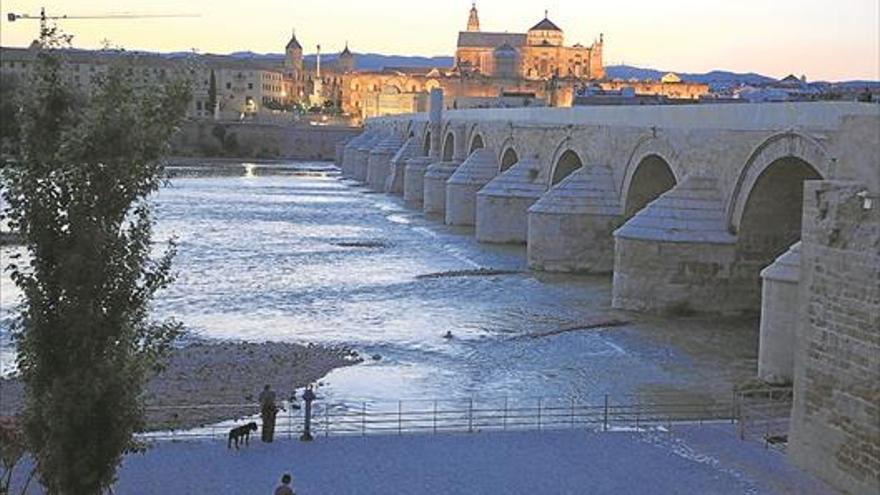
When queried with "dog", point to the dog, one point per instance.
{"points": [[241, 434]]}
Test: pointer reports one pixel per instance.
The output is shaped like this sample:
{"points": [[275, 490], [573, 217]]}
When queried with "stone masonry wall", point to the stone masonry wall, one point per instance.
{"points": [[835, 429], [254, 140]]}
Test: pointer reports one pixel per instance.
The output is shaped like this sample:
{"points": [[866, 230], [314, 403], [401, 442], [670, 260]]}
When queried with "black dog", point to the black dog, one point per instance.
{"points": [[241, 434]]}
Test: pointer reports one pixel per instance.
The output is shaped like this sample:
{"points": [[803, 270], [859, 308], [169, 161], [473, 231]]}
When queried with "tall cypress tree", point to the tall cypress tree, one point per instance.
{"points": [[212, 93]]}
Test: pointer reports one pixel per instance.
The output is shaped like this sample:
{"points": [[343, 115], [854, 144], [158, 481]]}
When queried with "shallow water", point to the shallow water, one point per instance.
{"points": [[298, 254]]}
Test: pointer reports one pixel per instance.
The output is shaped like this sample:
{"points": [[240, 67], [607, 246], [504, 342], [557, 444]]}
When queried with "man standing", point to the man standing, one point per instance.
{"points": [[267, 413]]}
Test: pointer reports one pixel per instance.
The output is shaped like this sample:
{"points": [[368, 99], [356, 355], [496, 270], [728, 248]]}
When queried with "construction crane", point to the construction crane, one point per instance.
{"points": [[44, 18]]}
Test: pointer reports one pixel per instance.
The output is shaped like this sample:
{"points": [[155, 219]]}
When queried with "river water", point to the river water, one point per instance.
{"points": [[295, 253]]}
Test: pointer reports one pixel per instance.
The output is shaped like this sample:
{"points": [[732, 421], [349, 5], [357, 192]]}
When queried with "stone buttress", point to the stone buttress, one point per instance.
{"points": [[379, 164], [571, 227], [348, 154], [461, 189], [779, 314], [503, 204], [676, 254], [394, 182], [362, 156]]}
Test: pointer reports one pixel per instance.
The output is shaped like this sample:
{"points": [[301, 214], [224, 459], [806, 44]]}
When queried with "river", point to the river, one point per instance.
{"points": [[295, 253]]}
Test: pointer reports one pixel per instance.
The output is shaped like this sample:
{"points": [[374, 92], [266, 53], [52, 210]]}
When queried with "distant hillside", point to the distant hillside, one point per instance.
{"points": [[715, 78]]}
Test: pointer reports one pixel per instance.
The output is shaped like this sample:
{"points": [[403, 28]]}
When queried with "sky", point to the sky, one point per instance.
{"points": [[825, 40]]}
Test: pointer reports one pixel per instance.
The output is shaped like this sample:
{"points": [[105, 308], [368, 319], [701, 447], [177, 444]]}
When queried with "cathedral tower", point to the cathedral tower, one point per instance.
{"points": [[294, 60], [346, 60], [473, 24]]}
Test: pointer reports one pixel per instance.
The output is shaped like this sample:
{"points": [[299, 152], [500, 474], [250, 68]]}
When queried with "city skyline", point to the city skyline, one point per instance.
{"points": [[686, 36]]}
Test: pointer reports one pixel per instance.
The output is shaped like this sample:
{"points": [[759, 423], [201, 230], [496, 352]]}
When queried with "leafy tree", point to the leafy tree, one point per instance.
{"points": [[79, 196], [9, 86], [212, 93]]}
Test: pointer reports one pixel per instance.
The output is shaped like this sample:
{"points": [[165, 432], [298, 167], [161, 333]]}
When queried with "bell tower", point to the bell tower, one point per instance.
{"points": [[473, 24], [294, 51]]}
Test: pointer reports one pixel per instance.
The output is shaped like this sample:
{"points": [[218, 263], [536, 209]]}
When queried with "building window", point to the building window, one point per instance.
{"points": [[250, 85], [228, 85]]}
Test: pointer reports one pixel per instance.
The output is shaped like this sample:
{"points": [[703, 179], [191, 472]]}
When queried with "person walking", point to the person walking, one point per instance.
{"points": [[285, 488], [268, 410]]}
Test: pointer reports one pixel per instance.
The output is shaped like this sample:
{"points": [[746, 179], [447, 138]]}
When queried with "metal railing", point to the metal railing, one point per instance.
{"points": [[763, 415], [601, 413]]}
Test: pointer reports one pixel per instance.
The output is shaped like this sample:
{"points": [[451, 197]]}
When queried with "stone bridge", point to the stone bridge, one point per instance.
{"points": [[687, 206], [698, 208]]}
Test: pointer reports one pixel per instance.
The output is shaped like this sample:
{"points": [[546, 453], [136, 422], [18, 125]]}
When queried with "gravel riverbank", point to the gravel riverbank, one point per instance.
{"points": [[226, 376]]}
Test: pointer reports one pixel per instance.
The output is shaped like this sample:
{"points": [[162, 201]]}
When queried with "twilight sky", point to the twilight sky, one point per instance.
{"points": [[825, 40]]}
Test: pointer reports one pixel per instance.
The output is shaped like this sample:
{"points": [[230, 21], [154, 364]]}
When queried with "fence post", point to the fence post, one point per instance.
{"points": [[435, 416], [540, 403], [471, 415], [605, 420], [638, 411], [504, 418], [733, 412], [364, 419], [400, 417]]}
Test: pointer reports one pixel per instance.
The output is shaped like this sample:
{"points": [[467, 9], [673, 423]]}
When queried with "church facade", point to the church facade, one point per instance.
{"points": [[537, 55]]}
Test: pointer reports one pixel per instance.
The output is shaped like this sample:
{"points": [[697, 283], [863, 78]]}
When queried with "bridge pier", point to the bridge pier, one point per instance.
{"points": [[414, 179], [779, 313], [436, 176], [571, 227], [503, 204], [462, 188], [348, 154], [339, 152], [676, 255], [378, 164], [362, 156], [397, 170]]}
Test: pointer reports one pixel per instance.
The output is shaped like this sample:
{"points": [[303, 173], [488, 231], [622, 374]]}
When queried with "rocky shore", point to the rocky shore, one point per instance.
{"points": [[206, 383]]}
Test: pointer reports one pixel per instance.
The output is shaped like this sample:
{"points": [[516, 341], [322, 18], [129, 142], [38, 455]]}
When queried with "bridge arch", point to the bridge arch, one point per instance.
{"points": [[567, 163], [768, 202], [651, 170], [426, 143], [565, 160], [448, 146], [475, 139], [785, 145], [509, 156], [409, 130]]}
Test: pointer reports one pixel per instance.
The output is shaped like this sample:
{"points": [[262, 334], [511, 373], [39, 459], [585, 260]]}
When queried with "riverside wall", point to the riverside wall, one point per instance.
{"points": [[260, 140]]}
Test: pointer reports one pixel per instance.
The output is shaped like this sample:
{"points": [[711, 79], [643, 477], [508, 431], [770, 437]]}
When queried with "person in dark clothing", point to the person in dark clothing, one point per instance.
{"points": [[268, 410], [285, 488]]}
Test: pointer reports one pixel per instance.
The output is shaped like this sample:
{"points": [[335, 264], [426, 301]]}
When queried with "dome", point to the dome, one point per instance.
{"points": [[505, 51], [346, 52]]}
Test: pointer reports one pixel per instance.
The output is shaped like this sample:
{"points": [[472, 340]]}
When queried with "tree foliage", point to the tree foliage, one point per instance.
{"points": [[212, 93], [79, 194]]}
